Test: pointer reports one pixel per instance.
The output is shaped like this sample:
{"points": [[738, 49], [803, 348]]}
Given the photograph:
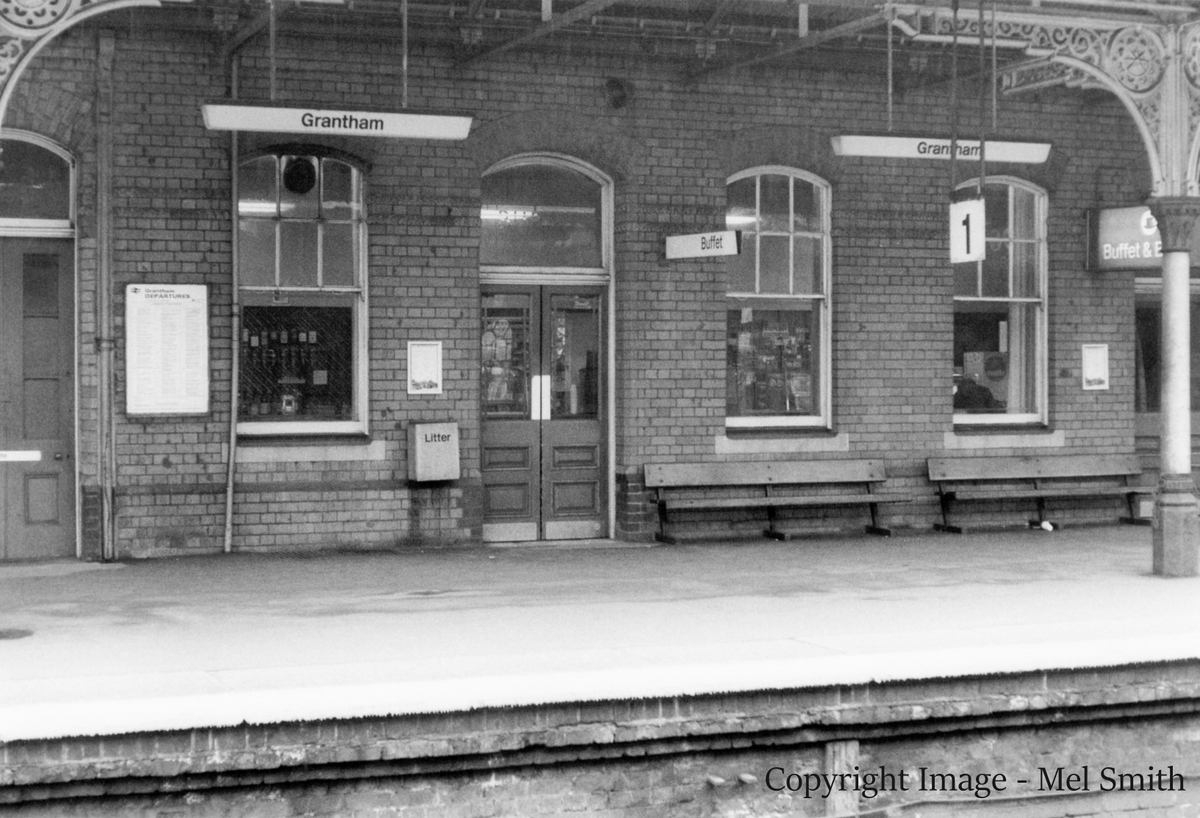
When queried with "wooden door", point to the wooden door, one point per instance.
{"points": [[543, 456], [37, 447]]}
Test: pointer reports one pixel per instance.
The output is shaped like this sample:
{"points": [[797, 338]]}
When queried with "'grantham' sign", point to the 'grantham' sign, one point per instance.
{"points": [[917, 147], [394, 124]]}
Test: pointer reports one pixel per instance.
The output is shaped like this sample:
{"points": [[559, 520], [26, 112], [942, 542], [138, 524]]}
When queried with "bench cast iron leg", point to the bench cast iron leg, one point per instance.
{"points": [[944, 525], [875, 528], [662, 535]]}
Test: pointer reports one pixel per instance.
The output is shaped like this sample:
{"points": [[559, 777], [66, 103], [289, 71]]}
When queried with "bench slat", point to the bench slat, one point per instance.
{"points": [[1030, 467], [780, 502], [983, 493]]}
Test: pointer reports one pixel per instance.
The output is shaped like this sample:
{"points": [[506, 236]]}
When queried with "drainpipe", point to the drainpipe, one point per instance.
{"points": [[235, 322], [235, 347], [105, 341]]}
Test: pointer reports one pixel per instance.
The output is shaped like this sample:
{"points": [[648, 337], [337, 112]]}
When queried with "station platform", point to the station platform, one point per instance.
{"points": [[221, 640]]}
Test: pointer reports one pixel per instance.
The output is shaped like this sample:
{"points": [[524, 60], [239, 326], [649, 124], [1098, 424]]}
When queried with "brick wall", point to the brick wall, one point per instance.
{"points": [[1005, 744], [669, 151]]}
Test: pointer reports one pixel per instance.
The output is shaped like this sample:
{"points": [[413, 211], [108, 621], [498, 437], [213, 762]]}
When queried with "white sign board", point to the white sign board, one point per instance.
{"points": [[166, 349], [966, 231], [698, 245], [916, 147], [424, 367], [396, 124], [1095, 366]]}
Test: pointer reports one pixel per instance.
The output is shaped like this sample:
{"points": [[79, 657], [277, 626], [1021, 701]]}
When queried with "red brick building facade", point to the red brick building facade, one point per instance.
{"points": [[153, 203]]}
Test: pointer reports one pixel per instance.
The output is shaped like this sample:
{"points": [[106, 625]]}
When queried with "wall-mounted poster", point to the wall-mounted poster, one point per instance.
{"points": [[166, 349], [424, 367], [1095, 366]]}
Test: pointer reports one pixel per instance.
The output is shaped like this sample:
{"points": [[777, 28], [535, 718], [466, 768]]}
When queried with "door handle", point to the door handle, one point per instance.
{"points": [[535, 397], [539, 396]]}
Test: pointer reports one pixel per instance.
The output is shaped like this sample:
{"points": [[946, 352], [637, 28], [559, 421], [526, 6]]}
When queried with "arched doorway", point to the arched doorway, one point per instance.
{"points": [[546, 335], [37, 339]]}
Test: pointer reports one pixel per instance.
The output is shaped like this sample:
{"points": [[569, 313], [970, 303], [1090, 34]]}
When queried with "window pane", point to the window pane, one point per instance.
{"points": [[775, 203], [807, 264], [966, 279], [297, 362], [258, 187], [298, 254], [339, 199], [995, 358], [1022, 372], [741, 212], [256, 253], [741, 267], [541, 216], [1024, 214], [775, 264], [995, 270], [506, 351], [980, 359], [338, 255], [298, 198], [772, 357], [575, 364], [1025, 270], [807, 206], [34, 183], [995, 204]]}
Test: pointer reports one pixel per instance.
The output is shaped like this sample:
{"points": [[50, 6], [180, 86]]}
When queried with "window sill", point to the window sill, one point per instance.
{"points": [[318, 449], [792, 440], [1010, 437]]}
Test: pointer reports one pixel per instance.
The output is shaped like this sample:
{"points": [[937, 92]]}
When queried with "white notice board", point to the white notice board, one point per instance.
{"points": [[166, 349]]}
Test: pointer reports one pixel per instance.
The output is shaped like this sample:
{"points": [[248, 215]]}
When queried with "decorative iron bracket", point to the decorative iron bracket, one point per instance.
{"points": [[1152, 68], [26, 26]]}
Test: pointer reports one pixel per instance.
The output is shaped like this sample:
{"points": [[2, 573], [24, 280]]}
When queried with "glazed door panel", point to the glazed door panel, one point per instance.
{"points": [[511, 451], [37, 503], [572, 461], [543, 462]]}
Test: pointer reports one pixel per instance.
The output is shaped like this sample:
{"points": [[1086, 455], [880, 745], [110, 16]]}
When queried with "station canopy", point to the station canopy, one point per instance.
{"points": [[707, 36]]}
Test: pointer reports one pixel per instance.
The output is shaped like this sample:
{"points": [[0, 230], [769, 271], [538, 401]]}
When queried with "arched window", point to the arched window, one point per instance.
{"points": [[1000, 312], [777, 300], [35, 185], [302, 281], [541, 215]]}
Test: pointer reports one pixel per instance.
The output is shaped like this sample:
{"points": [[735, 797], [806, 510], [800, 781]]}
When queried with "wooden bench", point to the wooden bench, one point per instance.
{"points": [[1035, 478], [771, 485]]}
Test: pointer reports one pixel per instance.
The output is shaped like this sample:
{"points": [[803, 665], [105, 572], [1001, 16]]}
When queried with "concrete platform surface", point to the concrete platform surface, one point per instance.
{"points": [[222, 639]]}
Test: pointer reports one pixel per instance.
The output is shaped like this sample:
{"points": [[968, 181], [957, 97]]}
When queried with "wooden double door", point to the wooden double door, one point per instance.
{"points": [[544, 465], [37, 446]]}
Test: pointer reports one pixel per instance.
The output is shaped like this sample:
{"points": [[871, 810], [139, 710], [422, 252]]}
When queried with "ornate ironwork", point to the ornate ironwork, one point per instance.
{"points": [[32, 18], [11, 51], [1135, 59], [1153, 68]]}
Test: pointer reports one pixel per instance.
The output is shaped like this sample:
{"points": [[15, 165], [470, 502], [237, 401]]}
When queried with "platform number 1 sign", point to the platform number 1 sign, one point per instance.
{"points": [[966, 231]]}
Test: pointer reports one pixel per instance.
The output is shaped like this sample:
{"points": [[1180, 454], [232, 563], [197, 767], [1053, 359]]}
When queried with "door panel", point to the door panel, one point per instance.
{"points": [[543, 462], [511, 443], [572, 468], [37, 474]]}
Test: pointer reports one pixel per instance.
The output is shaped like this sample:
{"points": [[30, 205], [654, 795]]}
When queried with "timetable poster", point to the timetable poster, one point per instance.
{"points": [[166, 349]]}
